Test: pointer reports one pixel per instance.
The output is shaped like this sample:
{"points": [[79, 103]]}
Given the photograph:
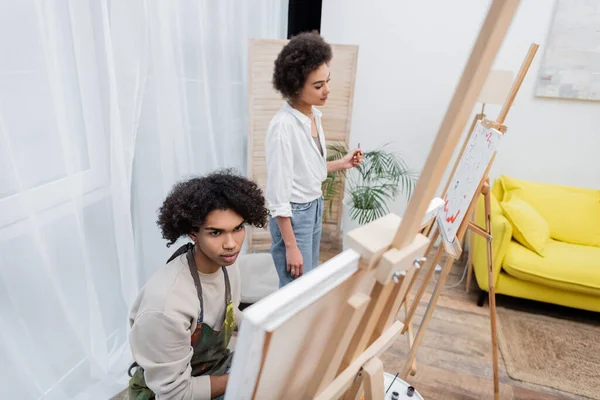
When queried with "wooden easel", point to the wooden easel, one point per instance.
{"points": [[483, 189], [377, 328], [357, 315]]}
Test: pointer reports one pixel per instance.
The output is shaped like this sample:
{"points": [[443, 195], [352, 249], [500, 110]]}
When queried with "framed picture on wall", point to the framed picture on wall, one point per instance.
{"points": [[571, 63]]}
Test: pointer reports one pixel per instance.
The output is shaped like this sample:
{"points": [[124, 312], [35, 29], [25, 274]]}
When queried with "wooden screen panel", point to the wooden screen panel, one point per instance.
{"points": [[264, 102]]}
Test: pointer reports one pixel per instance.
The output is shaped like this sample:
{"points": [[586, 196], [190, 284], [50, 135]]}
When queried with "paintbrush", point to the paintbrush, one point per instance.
{"points": [[358, 154]]}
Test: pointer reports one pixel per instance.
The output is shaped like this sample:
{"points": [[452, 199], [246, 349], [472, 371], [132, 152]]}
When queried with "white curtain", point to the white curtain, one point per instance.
{"points": [[104, 104]]}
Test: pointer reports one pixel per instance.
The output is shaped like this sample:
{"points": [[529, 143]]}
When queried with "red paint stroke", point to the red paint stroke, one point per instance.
{"points": [[489, 138], [451, 218]]}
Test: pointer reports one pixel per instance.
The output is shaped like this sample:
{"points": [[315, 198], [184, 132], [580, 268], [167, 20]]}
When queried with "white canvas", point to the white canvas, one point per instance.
{"points": [[571, 65], [469, 172], [274, 310]]}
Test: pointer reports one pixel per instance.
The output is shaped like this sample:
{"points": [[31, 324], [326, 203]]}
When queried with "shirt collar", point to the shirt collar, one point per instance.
{"points": [[305, 120]]}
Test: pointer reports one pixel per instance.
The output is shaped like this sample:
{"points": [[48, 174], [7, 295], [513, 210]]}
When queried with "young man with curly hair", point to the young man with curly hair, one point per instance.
{"points": [[296, 156], [184, 316]]}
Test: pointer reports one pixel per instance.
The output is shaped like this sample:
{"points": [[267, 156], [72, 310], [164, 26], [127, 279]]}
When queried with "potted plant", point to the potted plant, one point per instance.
{"points": [[372, 185]]}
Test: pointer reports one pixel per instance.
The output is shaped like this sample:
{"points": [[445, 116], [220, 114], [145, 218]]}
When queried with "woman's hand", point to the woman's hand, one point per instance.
{"points": [[295, 263], [352, 159]]}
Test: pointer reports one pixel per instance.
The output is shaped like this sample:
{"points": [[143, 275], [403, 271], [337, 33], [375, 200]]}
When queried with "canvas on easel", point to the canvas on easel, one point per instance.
{"points": [[472, 166], [285, 320], [362, 325]]}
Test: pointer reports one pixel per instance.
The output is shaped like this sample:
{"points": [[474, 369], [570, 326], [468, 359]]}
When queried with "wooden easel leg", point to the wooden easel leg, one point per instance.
{"points": [[427, 317], [411, 341], [394, 303], [355, 391], [373, 379], [362, 337], [492, 295], [347, 377], [433, 239], [417, 299]]}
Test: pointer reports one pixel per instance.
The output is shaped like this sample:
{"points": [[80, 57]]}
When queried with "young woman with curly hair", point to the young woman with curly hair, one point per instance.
{"points": [[296, 156], [184, 316]]}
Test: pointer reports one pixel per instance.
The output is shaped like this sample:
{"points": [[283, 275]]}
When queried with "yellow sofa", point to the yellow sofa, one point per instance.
{"points": [[546, 243]]}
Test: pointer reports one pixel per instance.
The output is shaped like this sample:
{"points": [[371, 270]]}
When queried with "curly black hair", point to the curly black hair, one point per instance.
{"points": [[190, 201], [303, 54]]}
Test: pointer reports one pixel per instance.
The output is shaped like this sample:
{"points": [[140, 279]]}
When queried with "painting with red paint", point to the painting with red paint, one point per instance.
{"points": [[469, 172]]}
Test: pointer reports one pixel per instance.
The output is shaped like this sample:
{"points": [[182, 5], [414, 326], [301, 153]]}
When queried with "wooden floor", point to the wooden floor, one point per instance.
{"points": [[455, 357]]}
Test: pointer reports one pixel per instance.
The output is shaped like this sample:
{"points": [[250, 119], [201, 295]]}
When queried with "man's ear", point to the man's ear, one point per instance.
{"points": [[194, 237]]}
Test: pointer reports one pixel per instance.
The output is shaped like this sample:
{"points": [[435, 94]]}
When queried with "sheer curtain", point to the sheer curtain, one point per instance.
{"points": [[193, 117], [103, 106]]}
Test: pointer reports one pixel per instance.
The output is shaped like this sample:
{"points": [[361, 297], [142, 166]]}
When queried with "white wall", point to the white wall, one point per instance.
{"points": [[411, 55]]}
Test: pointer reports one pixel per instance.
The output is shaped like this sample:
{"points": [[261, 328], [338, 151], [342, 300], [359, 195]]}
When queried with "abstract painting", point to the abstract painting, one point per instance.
{"points": [[471, 168], [571, 65]]}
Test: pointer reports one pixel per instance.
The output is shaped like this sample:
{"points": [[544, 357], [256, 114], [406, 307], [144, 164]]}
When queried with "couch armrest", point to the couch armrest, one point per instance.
{"points": [[501, 236]]}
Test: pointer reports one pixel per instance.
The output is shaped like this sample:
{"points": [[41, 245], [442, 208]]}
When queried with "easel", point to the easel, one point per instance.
{"points": [[483, 189], [356, 317], [387, 298]]}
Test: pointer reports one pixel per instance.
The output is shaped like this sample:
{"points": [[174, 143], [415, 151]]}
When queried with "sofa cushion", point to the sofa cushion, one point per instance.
{"points": [[529, 227], [573, 214], [565, 266]]}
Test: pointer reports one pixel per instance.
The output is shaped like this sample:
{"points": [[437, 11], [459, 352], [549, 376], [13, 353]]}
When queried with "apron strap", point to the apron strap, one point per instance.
{"points": [[132, 366], [196, 277], [182, 250]]}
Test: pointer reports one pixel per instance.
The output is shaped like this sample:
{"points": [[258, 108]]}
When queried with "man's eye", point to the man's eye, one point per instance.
{"points": [[214, 233], [239, 228]]}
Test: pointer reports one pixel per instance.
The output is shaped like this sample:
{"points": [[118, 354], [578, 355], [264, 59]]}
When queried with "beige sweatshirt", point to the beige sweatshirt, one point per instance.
{"points": [[162, 320]]}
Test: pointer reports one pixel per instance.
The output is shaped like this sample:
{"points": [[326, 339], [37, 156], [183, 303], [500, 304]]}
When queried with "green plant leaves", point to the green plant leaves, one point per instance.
{"points": [[371, 185]]}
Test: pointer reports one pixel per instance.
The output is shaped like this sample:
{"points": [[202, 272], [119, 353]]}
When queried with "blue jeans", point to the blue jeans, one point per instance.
{"points": [[307, 222]]}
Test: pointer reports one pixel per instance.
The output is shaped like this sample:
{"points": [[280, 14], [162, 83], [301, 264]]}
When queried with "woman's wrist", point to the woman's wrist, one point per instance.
{"points": [[292, 244], [335, 166]]}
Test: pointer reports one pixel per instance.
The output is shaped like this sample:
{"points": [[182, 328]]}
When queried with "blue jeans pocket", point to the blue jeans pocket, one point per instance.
{"points": [[303, 219], [299, 207]]}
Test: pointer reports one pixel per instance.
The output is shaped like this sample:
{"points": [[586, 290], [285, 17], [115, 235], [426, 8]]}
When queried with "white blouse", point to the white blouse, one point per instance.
{"points": [[295, 167]]}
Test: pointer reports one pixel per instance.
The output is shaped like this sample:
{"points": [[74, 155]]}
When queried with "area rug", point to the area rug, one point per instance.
{"points": [[552, 352]]}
